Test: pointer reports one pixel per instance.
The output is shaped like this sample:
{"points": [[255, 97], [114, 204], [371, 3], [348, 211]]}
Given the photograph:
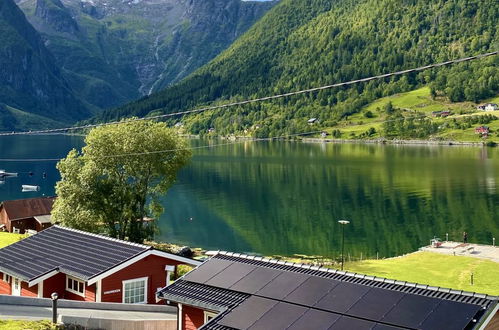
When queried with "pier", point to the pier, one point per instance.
{"points": [[481, 251]]}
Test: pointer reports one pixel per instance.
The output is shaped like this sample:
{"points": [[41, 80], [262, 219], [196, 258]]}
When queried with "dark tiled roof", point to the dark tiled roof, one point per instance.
{"points": [[227, 281], [70, 251], [27, 208]]}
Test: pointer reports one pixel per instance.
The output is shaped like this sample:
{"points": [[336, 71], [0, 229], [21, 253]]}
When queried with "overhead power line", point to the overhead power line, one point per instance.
{"points": [[210, 146], [266, 98]]}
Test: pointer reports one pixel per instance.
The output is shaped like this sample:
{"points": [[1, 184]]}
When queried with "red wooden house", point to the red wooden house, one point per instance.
{"points": [[233, 291], [84, 266], [24, 214]]}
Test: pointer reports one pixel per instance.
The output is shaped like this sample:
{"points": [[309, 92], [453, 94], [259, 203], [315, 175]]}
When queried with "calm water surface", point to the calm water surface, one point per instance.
{"points": [[286, 198]]}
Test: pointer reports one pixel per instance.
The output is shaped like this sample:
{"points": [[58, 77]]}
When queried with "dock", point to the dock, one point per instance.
{"points": [[481, 251]]}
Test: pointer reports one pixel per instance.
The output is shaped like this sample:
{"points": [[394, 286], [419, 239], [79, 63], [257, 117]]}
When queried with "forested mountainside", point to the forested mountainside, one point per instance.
{"points": [[29, 76], [115, 51], [305, 43]]}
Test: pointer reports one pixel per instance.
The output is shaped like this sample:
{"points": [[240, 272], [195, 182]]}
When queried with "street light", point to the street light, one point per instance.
{"points": [[343, 223]]}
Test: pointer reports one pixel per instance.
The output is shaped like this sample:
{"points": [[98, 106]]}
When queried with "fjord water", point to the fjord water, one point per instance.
{"points": [[286, 197]]}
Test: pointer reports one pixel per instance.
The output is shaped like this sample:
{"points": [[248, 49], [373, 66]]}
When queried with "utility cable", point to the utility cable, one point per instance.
{"points": [[266, 98], [210, 146]]}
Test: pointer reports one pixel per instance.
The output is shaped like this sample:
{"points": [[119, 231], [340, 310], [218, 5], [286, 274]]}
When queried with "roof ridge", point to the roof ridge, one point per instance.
{"points": [[29, 199], [358, 275], [102, 236]]}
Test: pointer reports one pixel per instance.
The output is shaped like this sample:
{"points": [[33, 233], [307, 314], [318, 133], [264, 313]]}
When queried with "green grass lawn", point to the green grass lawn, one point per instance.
{"points": [[8, 238], [26, 325], [419, 103], [435, 269]]}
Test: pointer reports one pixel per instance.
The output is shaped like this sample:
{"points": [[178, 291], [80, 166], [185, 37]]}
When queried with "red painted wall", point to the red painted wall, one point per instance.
{"points": [[4, 219], [57, 283], [152, 267], [53, 284], [193, 318], [27, 291], [5, 288]]}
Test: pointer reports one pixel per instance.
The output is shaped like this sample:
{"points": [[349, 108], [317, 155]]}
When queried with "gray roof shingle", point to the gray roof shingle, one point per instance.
{"points": [[77, 253]]}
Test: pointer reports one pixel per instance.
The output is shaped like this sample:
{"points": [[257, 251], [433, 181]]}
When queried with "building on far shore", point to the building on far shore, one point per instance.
{"points": [[26, 214], [488, 107], [86, 267], [233, 291]]}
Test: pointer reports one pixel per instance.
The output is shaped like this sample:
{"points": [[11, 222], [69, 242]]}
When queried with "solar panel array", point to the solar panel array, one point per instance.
{"points": [[283, 299]]}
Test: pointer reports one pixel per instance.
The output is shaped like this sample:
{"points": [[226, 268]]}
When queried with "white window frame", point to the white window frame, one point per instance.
{"points": [[145, 279], [207, 315], [7, 278], [71, 289]]}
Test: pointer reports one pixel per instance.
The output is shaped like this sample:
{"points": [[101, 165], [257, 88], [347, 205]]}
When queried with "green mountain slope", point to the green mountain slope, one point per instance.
{"points": [[29, 77], [115, 51], [306, 43]]}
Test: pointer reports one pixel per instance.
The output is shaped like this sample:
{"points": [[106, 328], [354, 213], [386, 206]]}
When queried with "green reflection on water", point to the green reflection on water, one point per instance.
{"points": [[285, 198]]}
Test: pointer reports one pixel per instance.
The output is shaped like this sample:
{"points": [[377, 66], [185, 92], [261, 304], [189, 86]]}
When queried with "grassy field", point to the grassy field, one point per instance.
{"points": [[26, 325], [418, 103], [436, 270], [8, 238]]}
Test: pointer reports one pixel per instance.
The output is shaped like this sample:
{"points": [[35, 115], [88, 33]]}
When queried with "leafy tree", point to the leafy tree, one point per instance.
{"points": [[118, 177]]}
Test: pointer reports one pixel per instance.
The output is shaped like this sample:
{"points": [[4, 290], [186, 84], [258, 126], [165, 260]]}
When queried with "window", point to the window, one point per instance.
{"points": [[208, 316], [7, 278], [135, 291], [75, 286]]}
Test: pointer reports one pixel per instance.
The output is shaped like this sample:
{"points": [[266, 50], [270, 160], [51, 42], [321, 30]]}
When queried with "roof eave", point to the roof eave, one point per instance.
{"points": [[487, 317], [13, 273], [41, 278], [191, 302], [137, 257]]}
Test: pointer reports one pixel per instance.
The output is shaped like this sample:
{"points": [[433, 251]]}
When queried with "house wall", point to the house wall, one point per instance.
{"points": [[5, 288], [23, 225], [152, 267], [27, 291], [57, 283], [4, 218], [192, 318]]}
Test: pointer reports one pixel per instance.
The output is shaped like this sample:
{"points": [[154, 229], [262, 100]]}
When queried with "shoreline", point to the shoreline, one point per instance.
{"points": [[357, 141]]}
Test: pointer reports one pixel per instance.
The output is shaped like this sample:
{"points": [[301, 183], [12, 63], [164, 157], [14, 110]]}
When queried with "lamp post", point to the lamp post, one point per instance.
{"points": [[343, 223]]}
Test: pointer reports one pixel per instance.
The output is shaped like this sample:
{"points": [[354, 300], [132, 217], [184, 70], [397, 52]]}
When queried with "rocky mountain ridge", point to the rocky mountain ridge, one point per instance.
{"points": [[114, 51], [30, 78]]}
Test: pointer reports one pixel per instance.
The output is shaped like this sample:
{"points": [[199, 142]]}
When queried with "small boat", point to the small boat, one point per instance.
{"points": [[27, 187], [4, 174]]}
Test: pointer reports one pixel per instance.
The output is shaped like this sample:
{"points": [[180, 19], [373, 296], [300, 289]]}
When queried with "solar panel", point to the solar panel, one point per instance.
{"points": [[255, 280], [311, 291], [375, 304], [207, 270], [243, 316], [315, 319], [282, 285], [342, 297], [351, 323], [281, 316], [230, 275], [450, 315], [380, 326], [411, 310]]}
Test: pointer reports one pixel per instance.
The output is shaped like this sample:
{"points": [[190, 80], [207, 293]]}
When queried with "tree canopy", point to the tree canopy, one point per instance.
{"points": [[117, 178], [301, 44]]}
